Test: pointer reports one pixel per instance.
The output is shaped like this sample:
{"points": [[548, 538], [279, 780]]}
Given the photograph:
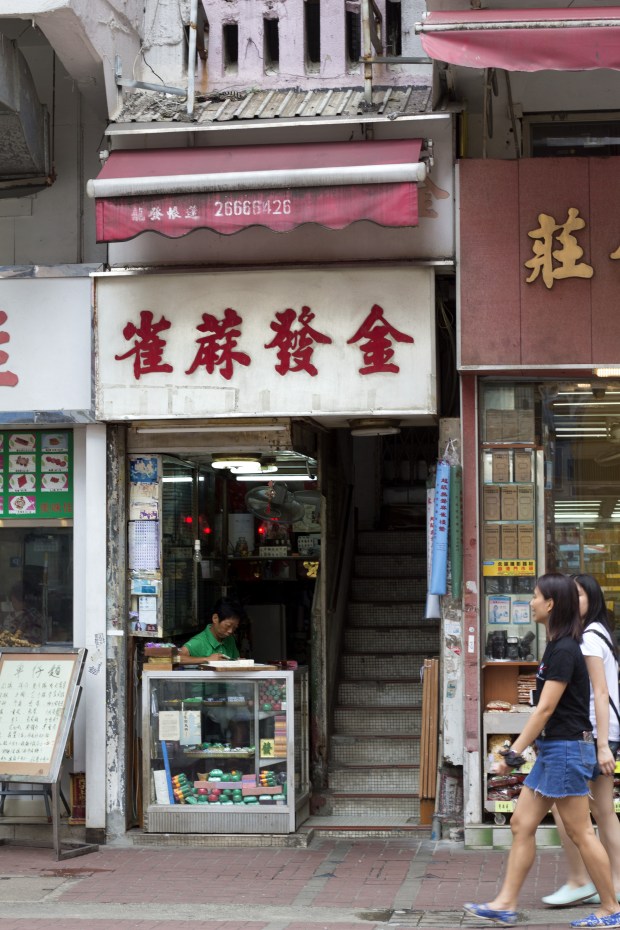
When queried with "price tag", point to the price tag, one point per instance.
{"points": [[527, 767], [617, 768], [504, 807], [617, 805]]}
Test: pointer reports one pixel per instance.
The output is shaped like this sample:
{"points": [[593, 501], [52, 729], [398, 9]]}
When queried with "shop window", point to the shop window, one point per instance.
{"points": [[353, 38], [312, 14], [36, 585], [231, 47], [571, 135], [271, 51], [393, 27]]}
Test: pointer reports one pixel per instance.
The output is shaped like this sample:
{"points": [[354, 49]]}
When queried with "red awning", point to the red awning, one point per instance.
{"points": [[175, 191], [525, 40]]}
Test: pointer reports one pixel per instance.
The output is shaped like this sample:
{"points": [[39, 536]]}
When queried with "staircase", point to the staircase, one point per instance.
{"points": [[375, 745]]}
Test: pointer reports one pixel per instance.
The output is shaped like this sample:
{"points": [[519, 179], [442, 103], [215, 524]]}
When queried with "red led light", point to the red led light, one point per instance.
{"points": [[188, 519]]}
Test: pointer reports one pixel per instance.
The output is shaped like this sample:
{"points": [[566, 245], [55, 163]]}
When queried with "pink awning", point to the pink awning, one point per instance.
{"points": [[525, 40], [175, 191]]}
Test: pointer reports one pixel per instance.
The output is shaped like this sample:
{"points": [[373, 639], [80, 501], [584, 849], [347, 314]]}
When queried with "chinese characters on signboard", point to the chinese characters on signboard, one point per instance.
{"points": [[36, 474], [294, 344], [557, 252], [32, 700]]}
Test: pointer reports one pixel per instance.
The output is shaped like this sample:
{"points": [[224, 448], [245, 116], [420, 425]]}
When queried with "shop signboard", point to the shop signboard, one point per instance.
{"points": [[45, 347], [36, 474], [539, 261], [327, 341]]}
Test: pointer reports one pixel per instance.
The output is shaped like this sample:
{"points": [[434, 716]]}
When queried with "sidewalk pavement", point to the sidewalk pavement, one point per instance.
{"points": [[333, 884]]}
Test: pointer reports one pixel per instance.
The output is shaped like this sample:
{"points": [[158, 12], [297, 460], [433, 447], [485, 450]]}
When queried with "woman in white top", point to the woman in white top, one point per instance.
{"points": [[601, 654]]}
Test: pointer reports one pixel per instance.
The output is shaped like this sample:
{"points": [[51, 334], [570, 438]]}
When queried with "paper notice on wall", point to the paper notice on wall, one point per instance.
{"points": [[143, 502], [143, 545], [169, 726], [147, 611]]}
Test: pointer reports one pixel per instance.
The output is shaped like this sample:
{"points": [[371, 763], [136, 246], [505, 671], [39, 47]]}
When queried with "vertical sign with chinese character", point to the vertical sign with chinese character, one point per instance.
{"points": [[36, 474]]}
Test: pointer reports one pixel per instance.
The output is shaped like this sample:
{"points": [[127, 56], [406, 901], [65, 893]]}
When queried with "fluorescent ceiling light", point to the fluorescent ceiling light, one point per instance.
{"points": [[607, 372], [236, 462], [242, 476], [240, 428]]}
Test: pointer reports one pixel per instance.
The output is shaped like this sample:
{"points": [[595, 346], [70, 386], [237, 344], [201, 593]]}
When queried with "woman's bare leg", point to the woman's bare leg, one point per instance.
{"points": [[575, 814], [529, 811], [577, 875], [602, 806]]}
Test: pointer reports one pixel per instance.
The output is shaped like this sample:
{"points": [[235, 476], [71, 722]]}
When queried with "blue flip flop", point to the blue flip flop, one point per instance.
{"points": [[610, 920], [484, 912]]}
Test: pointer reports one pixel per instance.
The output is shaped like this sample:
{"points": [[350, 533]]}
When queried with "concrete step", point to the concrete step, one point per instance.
{"points": [[380, 693], [399, 640], [373, 750], [389, 566], [389, 590], [404, 779], [371, 721], [372, 805], [390, 615], [372, 667], [412, 542]]}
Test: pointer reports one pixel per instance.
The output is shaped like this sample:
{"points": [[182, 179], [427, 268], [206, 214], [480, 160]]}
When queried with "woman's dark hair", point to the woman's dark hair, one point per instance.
{"points": [[597, 609], [226, 608], [564, 619]]}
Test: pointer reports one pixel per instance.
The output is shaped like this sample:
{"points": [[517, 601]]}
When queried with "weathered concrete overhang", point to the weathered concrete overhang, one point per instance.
{"points": [[24, 128]]}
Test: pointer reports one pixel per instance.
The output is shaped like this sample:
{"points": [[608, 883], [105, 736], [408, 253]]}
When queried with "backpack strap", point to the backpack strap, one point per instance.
{"points": [[611, 648]]}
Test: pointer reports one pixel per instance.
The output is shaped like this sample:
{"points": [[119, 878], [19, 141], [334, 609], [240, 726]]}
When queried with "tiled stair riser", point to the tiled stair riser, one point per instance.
{"points": [[388, 589], [397, 641], [405, 722], [401, 781], [389, 566], [388, 615], [372, 807], [399, 543], [369, 667], [374, 751], [380, 693]]}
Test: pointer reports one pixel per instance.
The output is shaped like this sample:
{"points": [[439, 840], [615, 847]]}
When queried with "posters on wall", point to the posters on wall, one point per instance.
{"points": [[144, 545], [36, 474]]}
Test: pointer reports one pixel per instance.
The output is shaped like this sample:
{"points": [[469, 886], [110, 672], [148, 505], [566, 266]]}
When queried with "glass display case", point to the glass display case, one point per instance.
{"points": [[225, 752]]}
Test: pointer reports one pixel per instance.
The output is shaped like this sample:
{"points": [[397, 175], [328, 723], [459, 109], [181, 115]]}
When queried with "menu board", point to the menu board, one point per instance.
{"points": [[38, 697], [36, 474]]}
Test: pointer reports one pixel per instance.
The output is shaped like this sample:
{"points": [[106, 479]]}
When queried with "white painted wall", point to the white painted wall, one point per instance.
{"points": [[89, 611]]}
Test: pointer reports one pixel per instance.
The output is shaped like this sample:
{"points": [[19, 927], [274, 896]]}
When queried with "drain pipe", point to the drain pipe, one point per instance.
{"points": [[191, 57]]}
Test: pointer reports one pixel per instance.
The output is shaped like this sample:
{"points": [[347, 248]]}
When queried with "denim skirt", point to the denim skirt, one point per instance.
{"points": [[563, 768]]}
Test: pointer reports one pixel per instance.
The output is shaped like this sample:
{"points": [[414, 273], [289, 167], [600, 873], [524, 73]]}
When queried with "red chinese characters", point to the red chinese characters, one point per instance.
{"points": [[377, 349], [148, 347], [294, 340], [7, 378], [216, 349], [295, 346]]}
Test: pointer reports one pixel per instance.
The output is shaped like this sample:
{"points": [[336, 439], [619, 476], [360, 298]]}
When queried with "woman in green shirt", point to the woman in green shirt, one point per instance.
{"points": [[217, 641]]}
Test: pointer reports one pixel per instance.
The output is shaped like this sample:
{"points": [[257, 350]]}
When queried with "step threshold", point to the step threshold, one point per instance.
{"points": [[361, 822]]}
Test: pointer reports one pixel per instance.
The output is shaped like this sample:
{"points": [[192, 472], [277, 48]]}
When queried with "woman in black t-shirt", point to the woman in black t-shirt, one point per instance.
{"points": [[565, 761]]}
